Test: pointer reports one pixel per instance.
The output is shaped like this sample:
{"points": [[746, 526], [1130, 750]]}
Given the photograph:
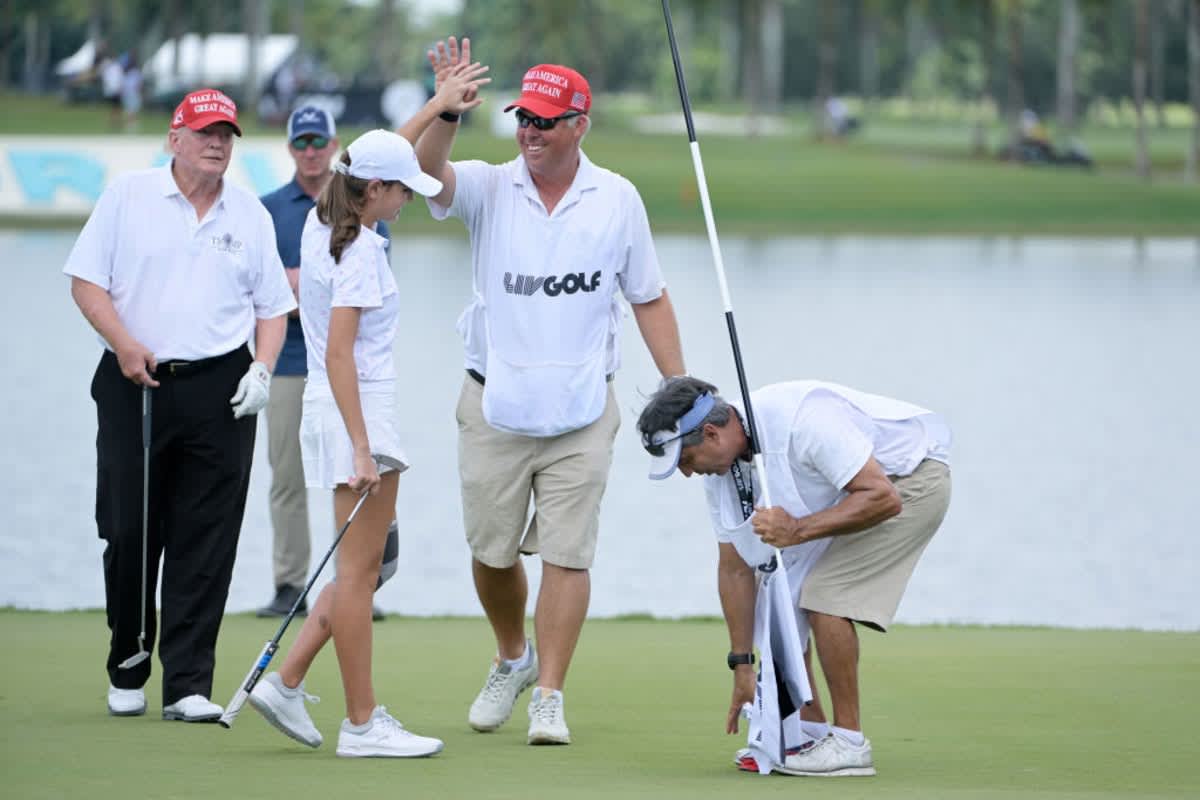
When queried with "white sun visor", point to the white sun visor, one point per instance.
{"points": [[671, 441]]}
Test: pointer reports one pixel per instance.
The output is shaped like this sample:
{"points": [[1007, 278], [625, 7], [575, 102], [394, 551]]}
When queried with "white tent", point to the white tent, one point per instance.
{"points": [[79, 62], [219, 59]]}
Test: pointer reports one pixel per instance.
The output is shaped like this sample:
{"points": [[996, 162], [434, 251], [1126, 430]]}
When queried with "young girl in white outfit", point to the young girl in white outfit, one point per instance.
{"points": [[349, 307]]}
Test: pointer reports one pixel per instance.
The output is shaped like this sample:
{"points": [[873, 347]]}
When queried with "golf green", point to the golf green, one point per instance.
{"points": [[952, 712]]}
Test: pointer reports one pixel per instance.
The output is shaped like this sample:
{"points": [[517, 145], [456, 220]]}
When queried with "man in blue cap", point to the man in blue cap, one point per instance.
{"points": [[312, 144]]}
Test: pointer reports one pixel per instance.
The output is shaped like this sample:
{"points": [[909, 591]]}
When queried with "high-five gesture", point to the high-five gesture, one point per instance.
{"points": [[445, 57], [458, 86]]}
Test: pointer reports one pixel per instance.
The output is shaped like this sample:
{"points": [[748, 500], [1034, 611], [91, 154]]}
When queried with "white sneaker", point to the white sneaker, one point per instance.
{"points": [[546, 723], [385, 738], [126, 702], [193, 708], [832, 757], [744, 758], [284, 708], [494, 704]]}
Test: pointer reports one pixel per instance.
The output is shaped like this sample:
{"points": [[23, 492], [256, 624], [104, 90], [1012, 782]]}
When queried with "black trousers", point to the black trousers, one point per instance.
{"points": [[199, 474]]}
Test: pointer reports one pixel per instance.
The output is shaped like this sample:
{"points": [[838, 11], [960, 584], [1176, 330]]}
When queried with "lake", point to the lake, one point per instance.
{"points": [[1067, 368]]}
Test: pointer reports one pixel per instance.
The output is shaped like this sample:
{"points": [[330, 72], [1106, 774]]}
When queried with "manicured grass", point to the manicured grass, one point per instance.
{"points": [[952, 712], [900, 177]]}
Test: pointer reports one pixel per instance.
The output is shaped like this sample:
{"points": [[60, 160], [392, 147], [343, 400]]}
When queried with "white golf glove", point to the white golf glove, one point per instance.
{"points": [[252, 391]]}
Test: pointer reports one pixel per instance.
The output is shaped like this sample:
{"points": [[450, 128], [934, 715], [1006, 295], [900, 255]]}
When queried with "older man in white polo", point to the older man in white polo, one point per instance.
{"points": [[177, 271]]}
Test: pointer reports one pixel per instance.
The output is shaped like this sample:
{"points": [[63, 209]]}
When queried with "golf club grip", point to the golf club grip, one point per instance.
{"points": [[146, 416], [234, 707]]}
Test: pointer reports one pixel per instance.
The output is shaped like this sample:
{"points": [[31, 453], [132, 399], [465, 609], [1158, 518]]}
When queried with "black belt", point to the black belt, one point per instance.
{"points": [[482, 381], [181, 369]]}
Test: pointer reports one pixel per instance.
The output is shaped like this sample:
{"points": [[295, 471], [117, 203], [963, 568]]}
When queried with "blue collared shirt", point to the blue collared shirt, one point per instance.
{"points": [[289, 206]]}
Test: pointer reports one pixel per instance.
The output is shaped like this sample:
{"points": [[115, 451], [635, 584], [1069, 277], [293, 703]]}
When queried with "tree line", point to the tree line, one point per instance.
{"points": [[1059, 58]]}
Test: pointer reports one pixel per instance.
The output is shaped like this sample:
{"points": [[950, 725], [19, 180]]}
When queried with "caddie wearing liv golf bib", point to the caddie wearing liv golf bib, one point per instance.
{"points": [[554, 238]]}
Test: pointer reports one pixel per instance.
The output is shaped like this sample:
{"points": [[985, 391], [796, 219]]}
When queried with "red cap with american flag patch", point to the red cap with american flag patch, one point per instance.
{"points": [[551, 90]]}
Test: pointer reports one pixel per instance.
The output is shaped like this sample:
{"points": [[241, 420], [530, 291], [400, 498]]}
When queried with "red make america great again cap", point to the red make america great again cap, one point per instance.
{"points": [[551, 90], [202, 108]]}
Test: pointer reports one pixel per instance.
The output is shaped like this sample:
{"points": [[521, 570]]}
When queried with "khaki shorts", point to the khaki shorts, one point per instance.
{"points": [[863, 575], [566, 476]]}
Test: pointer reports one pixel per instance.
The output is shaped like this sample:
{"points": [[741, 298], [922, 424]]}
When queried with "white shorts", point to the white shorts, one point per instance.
{"points": [[325, 446]]}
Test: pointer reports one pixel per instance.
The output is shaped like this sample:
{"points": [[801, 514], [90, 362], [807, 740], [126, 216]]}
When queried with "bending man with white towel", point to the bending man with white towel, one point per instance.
{"points": [[861, 483]]}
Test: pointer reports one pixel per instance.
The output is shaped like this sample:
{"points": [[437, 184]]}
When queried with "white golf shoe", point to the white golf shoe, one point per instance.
{"points": [[193, 708], [284, 708], [831, 757], [384, 737], [494, 704], [744, 758], [126, 702], [546, 722]]}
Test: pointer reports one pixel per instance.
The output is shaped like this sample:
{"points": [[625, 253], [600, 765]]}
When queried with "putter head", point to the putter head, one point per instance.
{"points": [[134, 660], [389, 462]]}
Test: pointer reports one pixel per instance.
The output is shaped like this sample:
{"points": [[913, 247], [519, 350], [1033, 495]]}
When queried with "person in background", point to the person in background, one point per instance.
{"points": [[555, 241], [312, 143], [176, 269], [112, 73], [131, 92]]}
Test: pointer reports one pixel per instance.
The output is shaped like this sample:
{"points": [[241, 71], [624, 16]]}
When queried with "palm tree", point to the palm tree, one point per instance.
{"points": [[827, 53], [771, 40], [1193, 39], [987, 53], [1158, 35], [868, 38], [753, 68], [1068, 49], [254, 23], [1016, 64], [1140, 47]]}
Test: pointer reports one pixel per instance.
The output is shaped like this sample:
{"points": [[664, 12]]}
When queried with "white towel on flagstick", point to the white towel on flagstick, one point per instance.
{"points": [[780, 636]]}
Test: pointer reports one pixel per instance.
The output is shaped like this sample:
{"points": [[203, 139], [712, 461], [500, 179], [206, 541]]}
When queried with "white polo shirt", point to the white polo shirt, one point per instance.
{"points": [[816, 436], [516, 247], [185, 288], [361, 279]]}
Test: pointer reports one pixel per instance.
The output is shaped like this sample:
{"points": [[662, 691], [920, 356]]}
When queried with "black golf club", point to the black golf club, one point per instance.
{"points": [[142, 654], [268, 652], [718, 262]]}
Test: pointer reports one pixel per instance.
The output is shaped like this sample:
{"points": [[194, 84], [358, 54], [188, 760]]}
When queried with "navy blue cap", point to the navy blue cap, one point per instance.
{"points": [[310, 119]]}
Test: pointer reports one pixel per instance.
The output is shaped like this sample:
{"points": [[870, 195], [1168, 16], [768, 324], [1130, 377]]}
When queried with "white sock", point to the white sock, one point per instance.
{"points": [[540, 693], [817, 730], [524, 660], [366, 726], [855, 738]]}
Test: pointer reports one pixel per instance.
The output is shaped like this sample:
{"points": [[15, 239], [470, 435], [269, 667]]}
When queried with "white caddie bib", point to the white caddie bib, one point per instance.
{"points": [[547, 338]]}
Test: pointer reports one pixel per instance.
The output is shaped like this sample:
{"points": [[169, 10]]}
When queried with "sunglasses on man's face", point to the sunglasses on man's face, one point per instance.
{"points": [[302, 143], [524, 120]]}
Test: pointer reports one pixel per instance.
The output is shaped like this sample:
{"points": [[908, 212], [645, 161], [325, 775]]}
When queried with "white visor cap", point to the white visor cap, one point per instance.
{"points": [[671, 441], [386, 156], [664, 466]]}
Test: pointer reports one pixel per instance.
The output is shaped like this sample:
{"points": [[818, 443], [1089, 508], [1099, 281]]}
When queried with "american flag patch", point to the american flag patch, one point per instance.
{"points": [[578, 100]]}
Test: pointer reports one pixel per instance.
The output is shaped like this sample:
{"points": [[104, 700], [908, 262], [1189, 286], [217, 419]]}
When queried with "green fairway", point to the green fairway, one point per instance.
{"points": [[952, 712], [899, 178]]}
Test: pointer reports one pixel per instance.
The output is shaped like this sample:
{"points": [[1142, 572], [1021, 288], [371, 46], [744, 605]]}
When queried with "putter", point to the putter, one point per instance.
{"points": [[142, 654], [235, 705]]}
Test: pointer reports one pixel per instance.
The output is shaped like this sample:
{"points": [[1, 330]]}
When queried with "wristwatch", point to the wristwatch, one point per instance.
{"points": [[736, 659]]}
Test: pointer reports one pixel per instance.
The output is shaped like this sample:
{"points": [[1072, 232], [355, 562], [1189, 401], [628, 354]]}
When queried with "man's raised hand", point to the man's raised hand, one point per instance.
{"points": [[447, 55], [461, 83]]}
